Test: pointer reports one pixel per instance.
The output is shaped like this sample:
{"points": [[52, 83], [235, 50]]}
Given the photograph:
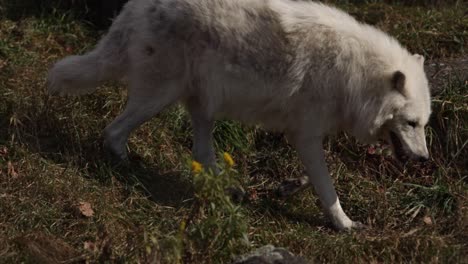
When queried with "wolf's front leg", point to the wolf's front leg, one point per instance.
{"points": [[202, 124], [203, 150], [311, 153]]}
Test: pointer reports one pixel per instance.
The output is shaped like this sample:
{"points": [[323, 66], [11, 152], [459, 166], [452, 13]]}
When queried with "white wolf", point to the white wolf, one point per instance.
{"points": [[302, 68]]}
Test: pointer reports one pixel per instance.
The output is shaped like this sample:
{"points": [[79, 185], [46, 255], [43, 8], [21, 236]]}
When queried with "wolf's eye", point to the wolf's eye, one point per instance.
{"points": [[412, 124]]}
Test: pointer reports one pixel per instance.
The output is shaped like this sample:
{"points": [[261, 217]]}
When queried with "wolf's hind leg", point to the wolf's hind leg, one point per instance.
{"points": [[145, 100]]}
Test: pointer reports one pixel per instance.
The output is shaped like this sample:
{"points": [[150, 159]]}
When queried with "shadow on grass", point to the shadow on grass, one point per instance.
{"points": [[164, 188], [287, 210], [58, 141]]}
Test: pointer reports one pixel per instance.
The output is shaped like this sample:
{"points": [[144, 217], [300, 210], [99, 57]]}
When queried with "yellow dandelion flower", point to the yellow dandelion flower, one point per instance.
{"points": [[196, 167], [228, 159]]}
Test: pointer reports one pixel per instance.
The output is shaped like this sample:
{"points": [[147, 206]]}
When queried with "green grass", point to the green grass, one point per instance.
{"points": [[51, 159]]}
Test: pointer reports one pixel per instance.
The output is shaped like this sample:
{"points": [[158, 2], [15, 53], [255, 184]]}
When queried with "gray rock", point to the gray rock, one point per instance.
{"points": [[270, 255]]}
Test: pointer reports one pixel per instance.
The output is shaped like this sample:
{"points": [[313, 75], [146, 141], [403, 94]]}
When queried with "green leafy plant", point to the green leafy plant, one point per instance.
{"points": [[216, 223]]}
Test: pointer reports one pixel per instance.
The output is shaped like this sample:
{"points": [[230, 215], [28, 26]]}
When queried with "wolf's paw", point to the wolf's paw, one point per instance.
{"points": [[291, 186], [358, 226], [115, 145], [115, 154], [341, 222], [350, 226], [237, 194]]}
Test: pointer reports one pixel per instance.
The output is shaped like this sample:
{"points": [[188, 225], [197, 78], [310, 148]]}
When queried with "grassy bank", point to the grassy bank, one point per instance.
{"points": [[61, 199]]}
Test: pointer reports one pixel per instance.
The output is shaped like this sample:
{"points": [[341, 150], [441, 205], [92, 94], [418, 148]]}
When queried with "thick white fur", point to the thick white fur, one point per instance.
{"points": [[303, 68]]}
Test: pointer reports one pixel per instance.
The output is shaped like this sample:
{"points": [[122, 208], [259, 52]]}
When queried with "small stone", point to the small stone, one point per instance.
{"points": [[270, 255]]}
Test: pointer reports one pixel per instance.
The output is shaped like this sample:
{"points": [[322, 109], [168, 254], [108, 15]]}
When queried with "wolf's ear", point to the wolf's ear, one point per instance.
{"points": [[398, 82], [419, 58]]}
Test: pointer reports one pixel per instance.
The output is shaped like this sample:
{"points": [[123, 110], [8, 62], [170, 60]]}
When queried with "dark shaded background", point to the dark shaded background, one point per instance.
{"points": [[98, 12], [101, 12]]}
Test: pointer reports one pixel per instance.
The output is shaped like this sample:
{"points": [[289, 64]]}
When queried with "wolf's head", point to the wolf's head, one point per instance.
{"points": [[407, 111]]}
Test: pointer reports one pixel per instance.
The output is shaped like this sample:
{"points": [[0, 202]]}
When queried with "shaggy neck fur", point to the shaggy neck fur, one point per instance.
{"points": [[360, 61]]}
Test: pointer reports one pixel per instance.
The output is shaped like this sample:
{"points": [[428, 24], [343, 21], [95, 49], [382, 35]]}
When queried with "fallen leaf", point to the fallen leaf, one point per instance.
{"points": [[427, 220], [85, 209], [3, 151], [11, 170], [253, 195], [90, 246]]}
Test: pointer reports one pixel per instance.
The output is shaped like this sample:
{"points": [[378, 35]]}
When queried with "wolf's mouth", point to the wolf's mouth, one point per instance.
{"points": [[398, 147]]}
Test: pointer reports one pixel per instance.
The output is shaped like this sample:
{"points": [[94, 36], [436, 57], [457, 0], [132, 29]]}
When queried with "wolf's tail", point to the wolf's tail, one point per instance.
{"points": [[77, 75]]}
